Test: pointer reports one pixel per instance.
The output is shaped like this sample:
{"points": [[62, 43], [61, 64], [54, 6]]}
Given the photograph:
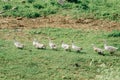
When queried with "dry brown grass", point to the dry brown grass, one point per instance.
{"points": [[59, 21]]}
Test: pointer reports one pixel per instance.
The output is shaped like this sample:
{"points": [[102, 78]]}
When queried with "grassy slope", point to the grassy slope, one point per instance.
{"points": [[33, 64], [86, 8]]}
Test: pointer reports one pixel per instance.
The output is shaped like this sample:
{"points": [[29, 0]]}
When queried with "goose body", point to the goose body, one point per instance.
{"points": [[76, 48], [38, 45], [52, 45], [98, 50], [110, 49], [18, 44], [65, 46]]}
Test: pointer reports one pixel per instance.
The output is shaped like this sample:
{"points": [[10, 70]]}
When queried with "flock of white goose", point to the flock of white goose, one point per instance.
{"points": [[110, 49], [67, 47], [52, 45]]}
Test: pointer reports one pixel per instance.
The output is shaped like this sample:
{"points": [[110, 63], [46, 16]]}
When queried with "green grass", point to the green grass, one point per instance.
{"points": [[100, 9], [33, 64]]}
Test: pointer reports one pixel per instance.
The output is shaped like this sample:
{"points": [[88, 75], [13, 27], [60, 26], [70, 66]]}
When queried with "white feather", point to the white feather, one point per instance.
{"points": [[18, 44], [65, 46], [38, 45], [110, 49], [52, 45], [76, 48]]}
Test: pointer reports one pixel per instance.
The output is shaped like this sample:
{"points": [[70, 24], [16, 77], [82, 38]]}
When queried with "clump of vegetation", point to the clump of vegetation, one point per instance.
{"points": [[82, 6], [30, 1], [47, 11], [38, 6], [100, 9], [7, 7], [114, 33], [33, 15], [75, 1]]}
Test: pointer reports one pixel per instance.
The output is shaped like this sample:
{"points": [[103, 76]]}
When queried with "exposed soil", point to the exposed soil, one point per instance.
{"points": [[59, 21]]}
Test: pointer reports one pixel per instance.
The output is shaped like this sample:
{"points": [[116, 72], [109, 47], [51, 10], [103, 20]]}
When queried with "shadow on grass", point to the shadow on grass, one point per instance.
{"points": [[81, 52], [116, 55]]}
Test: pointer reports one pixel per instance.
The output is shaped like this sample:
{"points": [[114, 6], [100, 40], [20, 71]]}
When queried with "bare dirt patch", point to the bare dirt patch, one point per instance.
{"points": [[59, 21]]}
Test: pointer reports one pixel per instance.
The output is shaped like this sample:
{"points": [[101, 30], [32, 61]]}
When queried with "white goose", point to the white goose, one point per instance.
{"points": [[66, 47], [98, 50], [52, 45], [76, 48], [110, 49], [18, 44], [38, 45]]}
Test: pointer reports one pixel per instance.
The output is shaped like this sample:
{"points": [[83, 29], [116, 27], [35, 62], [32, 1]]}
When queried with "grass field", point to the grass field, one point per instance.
{"points": [[34, 64], [87, 16]]}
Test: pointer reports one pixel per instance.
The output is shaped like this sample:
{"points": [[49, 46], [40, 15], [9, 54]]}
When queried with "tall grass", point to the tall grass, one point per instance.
{"points": [[109, 74], [105, 9]]}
